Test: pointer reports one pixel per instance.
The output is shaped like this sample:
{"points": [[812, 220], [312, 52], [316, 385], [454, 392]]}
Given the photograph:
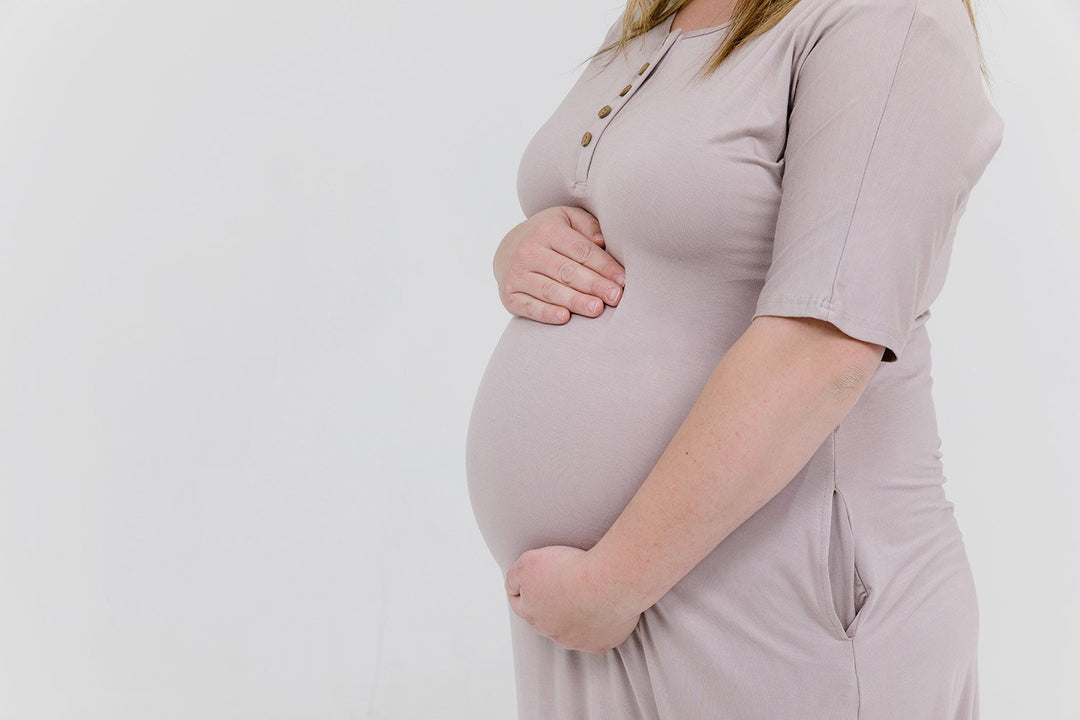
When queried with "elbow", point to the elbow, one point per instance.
{"points": [[842, 363], [854, 365], [846, 382]]}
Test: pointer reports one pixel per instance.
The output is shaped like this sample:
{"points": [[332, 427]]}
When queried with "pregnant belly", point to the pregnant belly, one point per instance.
{"points": [[569, 420]]}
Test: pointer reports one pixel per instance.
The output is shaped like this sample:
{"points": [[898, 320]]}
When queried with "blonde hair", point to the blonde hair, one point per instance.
{"points": [[749, 19]]}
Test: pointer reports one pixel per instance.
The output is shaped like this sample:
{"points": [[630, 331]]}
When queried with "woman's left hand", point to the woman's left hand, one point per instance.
{"points": [[556, 590]]}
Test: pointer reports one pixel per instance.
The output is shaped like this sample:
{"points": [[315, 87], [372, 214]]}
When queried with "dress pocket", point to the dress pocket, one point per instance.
{"points": [[846, 593]]}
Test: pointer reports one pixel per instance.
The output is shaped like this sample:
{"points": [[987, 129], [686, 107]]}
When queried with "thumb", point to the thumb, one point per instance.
{"points": [[584, 222], [512, 584]]}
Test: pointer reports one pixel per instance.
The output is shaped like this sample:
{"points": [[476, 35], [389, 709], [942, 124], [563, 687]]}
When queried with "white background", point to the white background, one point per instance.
{"points": [[246, 299]]}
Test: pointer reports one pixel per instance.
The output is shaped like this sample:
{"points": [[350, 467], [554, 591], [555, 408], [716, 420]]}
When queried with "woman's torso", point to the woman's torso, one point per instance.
{"points": [[685, 180]]}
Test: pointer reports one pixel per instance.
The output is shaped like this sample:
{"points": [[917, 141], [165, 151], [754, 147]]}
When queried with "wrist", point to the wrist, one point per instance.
{"points": [[616, 584]]}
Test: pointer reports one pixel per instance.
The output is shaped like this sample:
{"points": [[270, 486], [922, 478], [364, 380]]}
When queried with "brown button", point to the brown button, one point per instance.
{"points": [[643, 68], [624, 91], [586, 138], [604, 111]]}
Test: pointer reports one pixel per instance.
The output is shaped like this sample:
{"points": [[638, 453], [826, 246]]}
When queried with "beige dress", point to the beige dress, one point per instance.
{"points": [[821, 172]]}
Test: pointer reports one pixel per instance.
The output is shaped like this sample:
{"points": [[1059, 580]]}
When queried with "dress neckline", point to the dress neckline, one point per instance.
{"points": [[691, 33]]}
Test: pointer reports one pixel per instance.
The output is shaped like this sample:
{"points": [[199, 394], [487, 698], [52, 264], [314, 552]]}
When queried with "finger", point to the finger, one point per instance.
{"points": [[576, 246], [512, 584], [527, 306], [584, 222], [552, 291], [568, 271]]}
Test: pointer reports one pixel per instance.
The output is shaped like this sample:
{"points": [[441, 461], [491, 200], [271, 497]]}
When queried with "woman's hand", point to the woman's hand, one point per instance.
{"points": [[557, 591], [553, 264]]}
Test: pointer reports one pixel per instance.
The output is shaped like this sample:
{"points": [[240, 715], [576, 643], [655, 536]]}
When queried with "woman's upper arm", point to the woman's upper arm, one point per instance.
{"points": [[888, 131]]}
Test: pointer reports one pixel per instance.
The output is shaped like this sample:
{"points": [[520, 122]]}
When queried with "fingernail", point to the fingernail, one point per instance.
{"points": [[613, 295], [593, 305], [598, 236], [621, 279]]}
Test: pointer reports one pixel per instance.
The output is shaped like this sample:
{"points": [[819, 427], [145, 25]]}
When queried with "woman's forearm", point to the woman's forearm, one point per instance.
{"points": [[771, 401]]}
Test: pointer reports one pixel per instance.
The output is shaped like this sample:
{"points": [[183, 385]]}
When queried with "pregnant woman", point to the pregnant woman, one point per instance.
{"points": [[721, 497]]}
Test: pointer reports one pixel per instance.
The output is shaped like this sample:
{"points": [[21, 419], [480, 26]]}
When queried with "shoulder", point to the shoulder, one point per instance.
{"points": [[913, 68], [614, 30], [943, 20], [822, 14], [934, 35], [943, 31]]}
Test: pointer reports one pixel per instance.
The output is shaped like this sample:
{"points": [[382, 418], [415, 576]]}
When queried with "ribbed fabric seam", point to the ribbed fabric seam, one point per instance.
{"points": [[870, 152]]}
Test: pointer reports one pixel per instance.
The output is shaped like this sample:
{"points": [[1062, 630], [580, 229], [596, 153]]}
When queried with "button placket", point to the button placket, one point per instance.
{"points": [[605, 114]]}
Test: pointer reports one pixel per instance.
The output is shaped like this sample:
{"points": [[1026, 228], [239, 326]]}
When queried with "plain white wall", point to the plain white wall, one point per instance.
{"points": [[246, 298]]}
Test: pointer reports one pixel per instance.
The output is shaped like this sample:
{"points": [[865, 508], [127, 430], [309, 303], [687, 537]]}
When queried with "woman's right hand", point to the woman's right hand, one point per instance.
{"points": [[553, 264]]}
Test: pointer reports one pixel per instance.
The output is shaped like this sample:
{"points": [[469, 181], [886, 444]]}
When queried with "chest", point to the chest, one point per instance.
{"points": [[660, 155]]}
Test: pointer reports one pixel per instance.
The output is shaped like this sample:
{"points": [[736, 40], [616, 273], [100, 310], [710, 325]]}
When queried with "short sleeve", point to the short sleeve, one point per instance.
{"points": [[889, 128]]}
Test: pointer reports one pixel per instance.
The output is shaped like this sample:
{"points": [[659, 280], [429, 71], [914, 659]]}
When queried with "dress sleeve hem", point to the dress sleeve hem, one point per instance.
{"points": [[847, 322]]}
